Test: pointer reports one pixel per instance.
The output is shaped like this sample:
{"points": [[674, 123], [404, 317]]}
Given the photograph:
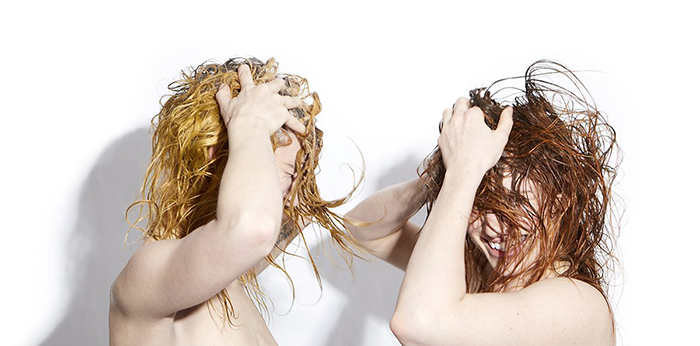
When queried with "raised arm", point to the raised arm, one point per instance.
{"points": [[434, 307], [166, 276], [381, 222]]}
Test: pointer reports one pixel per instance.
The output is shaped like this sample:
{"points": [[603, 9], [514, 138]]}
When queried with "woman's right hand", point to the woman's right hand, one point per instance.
{"points": [[260, 102], [467, 143]]}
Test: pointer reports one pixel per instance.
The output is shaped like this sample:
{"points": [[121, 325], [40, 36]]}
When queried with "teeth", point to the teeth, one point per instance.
{"points": [[495, 246]]}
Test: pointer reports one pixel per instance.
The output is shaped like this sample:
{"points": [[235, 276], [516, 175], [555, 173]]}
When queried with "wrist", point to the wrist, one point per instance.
{"points": [[247, 125], [242, 133], [463, 178]]}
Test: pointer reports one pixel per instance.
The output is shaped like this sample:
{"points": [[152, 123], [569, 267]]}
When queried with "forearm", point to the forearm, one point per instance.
{"points": [[250, 184], [435, 272], [387, 211]]}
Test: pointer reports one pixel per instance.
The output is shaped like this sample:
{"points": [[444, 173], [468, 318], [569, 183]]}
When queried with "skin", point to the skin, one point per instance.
{"points": [[160, 297], [487, 231], [433, 307]]}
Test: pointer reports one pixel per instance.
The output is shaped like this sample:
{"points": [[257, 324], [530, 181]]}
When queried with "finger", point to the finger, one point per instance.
{"points": [[505, 123], [245, 77], [477, 112], [446, 115], [291, 102], [295, 125], [224, 94], [276, 85], [461, 106]]}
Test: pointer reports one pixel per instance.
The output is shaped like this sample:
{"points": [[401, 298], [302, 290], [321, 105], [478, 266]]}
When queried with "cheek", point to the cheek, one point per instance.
{"points": [[286, 161], [287, 155], [285, 180], [474, 232]]}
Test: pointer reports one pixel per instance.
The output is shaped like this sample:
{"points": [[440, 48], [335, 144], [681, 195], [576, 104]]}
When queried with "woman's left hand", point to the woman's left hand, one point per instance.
{"points": [[467, 143]]}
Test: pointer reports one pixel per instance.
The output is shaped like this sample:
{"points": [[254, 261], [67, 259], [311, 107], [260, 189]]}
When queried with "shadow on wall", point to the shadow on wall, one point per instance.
{"points": [[95, 249], [373, 287], [96, 253]]}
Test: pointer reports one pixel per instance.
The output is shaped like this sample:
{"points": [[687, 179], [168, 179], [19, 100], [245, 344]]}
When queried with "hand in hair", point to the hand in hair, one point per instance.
{"points": [[260, 102], [467, 143]]}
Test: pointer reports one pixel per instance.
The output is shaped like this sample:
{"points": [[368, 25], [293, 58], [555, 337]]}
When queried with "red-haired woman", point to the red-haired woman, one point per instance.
{"points": [[517, 246]]}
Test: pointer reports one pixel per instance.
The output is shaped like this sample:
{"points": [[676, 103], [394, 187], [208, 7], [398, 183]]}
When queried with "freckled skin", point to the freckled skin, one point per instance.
{"points": [[434, 294]]}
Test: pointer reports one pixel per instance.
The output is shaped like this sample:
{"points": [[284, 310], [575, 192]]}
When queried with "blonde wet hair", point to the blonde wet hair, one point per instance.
{"points": [[180, 189]]}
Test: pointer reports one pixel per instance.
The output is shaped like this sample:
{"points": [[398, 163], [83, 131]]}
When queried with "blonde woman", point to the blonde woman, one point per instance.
{"points": [[231, 182]]}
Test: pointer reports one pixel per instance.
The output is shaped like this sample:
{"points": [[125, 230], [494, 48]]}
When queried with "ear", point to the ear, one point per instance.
{"points": [[211, 151]]}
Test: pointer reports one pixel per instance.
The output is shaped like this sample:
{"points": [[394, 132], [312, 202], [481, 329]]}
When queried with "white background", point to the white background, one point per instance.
{"points": [[80, 81]]}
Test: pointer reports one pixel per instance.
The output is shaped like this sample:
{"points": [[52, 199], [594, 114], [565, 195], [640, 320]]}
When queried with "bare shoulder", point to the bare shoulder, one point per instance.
{"points": [[574, 291], [166, 276], [138, 271], [573, 306], [554, 311], [132, 316]]}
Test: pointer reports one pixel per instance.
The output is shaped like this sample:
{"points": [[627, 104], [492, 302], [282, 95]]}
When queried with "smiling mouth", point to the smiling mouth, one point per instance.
{"points": [[496, 247]]}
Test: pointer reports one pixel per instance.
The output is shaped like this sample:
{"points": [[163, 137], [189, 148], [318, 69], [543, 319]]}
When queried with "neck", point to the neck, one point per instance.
{"points": [[521, 281]]}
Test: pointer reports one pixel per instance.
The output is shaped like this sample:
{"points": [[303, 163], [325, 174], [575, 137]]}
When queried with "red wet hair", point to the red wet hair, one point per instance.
{"points": [[562, 144]]}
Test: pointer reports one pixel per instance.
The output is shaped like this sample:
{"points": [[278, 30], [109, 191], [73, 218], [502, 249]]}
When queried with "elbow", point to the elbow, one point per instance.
{"points": [[256, 232], [411, 328], [353, 225], [358, 228]]}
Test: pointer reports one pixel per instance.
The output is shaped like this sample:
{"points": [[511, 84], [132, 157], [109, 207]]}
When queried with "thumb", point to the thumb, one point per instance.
{"points": [[505, 123]]}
